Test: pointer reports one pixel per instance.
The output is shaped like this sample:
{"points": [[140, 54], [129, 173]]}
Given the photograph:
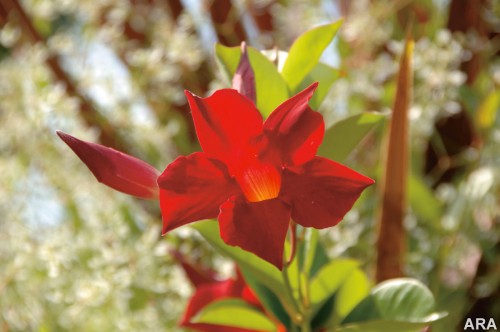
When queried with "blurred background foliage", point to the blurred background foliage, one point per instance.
{"points": [[77, 256]]}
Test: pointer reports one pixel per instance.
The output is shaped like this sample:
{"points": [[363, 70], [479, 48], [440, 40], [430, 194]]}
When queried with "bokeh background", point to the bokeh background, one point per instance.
{"points": [[77, 256]]}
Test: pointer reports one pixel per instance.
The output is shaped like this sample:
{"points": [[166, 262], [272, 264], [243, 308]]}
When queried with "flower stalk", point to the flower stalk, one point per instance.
{"points": [[301, 307]]}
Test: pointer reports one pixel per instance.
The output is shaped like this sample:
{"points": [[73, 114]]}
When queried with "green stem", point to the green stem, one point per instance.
{"points": [[300, 310], [304, 301], [306, 326], [296, 316]]}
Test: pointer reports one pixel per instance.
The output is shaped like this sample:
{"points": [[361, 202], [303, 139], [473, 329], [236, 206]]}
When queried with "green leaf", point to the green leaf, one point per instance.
{"points": [[305, 53], [383, 326], [234, 313], [341, 139], [320, 259], [395, 305], [422, 200], [329, 278], [351, 293], [264, 272], [487, 110], [322, 73], [311, 255], [353, 288], [324, 314], [270, 87], [266, 297], [139, 299]]}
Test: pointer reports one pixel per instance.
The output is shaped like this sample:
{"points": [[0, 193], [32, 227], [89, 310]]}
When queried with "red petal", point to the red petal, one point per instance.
{"points": [[226, 124], [196, 273], [192, 188], [295, 130], [249, 295], [323, 193], [256, 227], [206, 294], [116, 169], [244, 79]]}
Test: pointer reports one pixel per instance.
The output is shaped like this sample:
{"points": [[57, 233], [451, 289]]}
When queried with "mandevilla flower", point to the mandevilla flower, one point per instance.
{"points": [[254, 176], [209, 290]]}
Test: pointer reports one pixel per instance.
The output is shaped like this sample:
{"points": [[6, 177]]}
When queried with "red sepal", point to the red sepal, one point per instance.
{"points": [[244, 79], [206, 294], [115, 169], [196, 273]]}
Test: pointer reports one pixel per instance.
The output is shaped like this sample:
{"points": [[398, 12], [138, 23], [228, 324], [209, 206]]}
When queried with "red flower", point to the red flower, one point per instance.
{"points": [[254, 176], [209, 290]]}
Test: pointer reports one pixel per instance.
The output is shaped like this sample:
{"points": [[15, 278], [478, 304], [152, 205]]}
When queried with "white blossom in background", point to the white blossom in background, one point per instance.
{"points": [[82, 273], [75, 255], [292, 19], [437, 81], [366, 25]]}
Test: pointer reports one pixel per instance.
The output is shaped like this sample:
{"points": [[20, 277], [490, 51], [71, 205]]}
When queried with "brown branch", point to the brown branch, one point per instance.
{"points": [[484, 306], [196, 82], [3, 15], [264, 20], [457, 131], [227, 24], [175, 7], [107, 135], [466, 16]]}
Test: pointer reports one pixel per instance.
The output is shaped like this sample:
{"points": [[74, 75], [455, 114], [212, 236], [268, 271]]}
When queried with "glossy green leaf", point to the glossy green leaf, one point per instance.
{"points": [[305, 53], [322, 73], [351, 293], [395, 305], [266, 297], [320, 259], [341, 139], [270, 86], [383, 326], [311, 255], [325, 314], [263, 271], [228, 58], [329, 278], [234, 313]]}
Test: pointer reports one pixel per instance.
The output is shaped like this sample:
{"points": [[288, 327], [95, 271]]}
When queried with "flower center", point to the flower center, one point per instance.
{"points": [[259, 182]]}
